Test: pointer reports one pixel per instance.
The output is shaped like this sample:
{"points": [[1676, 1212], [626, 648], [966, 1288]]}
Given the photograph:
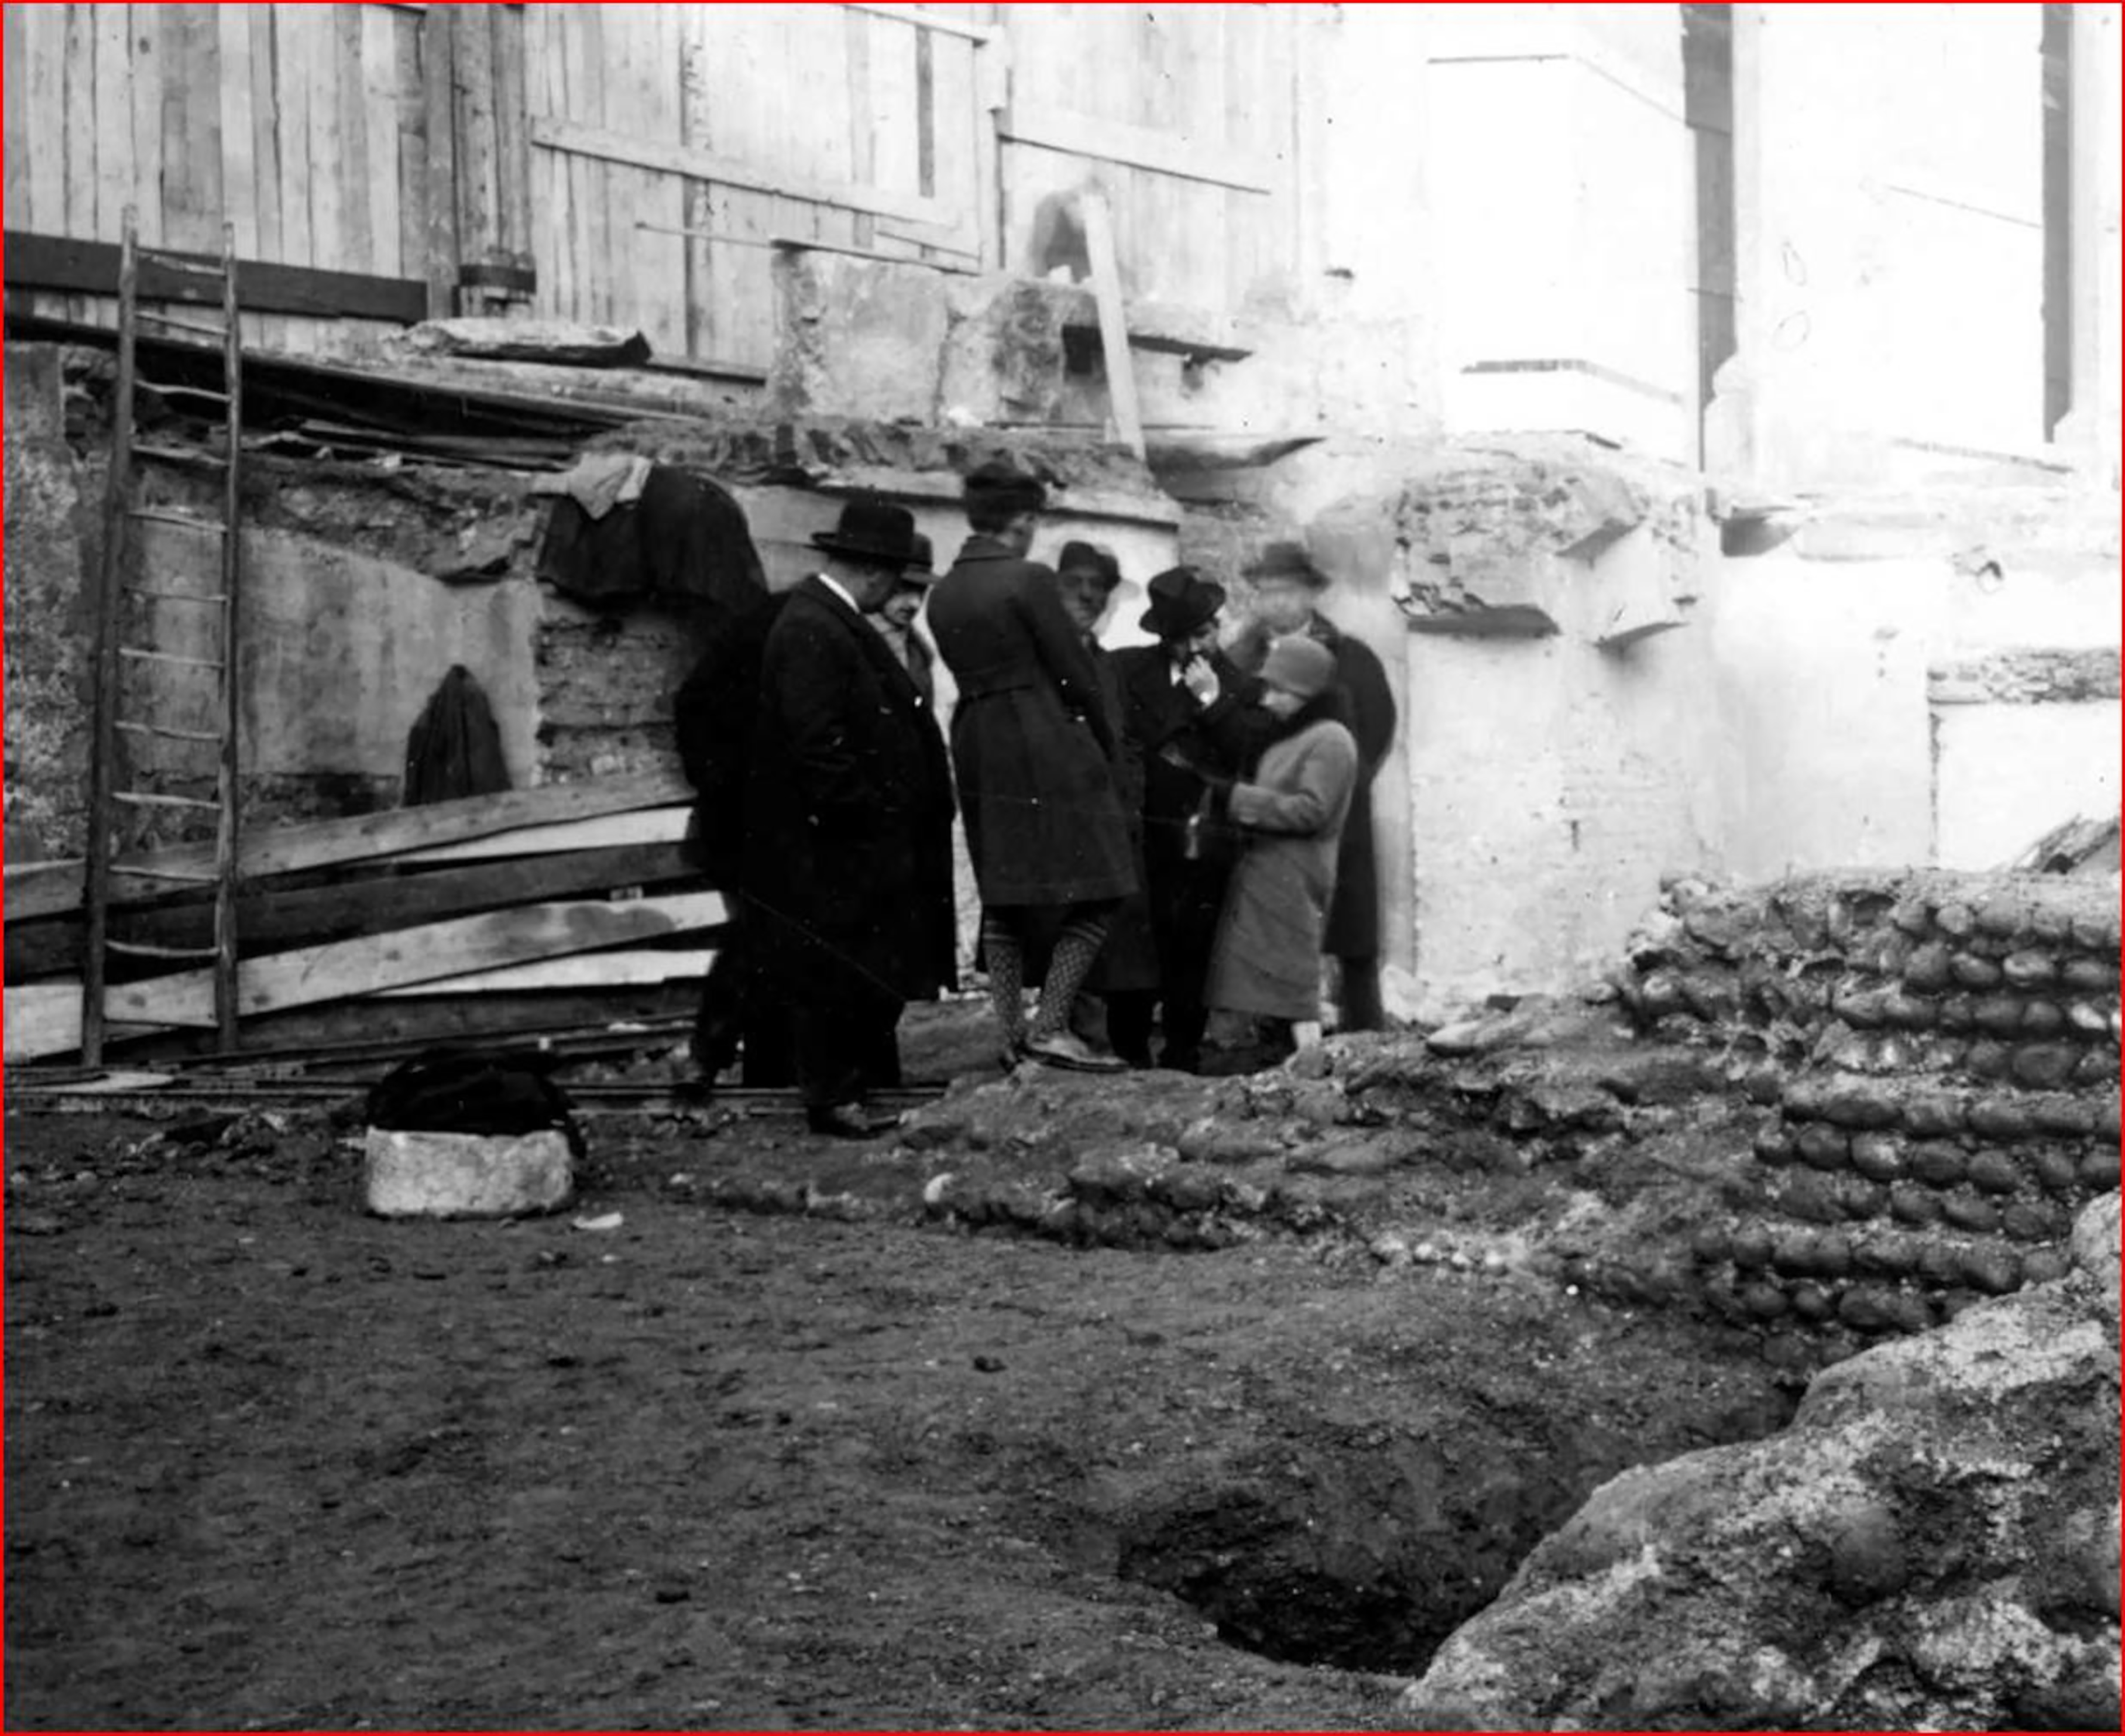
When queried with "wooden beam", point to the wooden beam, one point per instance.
{"points": [[438, 91], [374, 904], [61, 263], [654, 827], [925, 20], [1142, 148], [1114, 327], [45, 1019], [634, 968], [690, 160], [46, 888]]}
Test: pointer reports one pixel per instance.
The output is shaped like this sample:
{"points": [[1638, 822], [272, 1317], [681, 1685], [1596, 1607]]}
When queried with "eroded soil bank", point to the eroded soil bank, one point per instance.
{"points": [[275, 1464]]}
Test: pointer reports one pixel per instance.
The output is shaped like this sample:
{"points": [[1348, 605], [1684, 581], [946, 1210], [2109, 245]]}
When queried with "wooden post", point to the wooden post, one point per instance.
{"points": [[1113, 329], [992, 99], [226, 838], [103, 742], [512, 146]]}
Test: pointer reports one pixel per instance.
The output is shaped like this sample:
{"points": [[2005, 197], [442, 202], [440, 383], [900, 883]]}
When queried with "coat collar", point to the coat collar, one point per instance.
{"points": [[868, 640], [980, 547]]}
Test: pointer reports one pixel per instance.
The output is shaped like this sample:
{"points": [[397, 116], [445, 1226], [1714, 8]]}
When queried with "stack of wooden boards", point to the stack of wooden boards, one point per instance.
{"points": [[533, 910]]}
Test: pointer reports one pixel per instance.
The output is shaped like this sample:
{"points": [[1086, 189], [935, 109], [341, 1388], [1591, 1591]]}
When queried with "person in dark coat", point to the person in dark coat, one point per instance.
{"points": [[1187, 717], [1087, 575], [896, 619], [714, 713], [1287, 587], [1035, 758], [848, 824]]}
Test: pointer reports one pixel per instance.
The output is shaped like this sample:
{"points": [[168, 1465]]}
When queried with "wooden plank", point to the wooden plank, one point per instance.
{"points": [[390, 897], [583, 141], [268, 330], [39, 1021], [43, 63], [191, 130], [616, 970], [239, 128], [992, 97], [291, 97], [438, 204], [941, 22], [78, 141], [512, 151], [639, 827], [377, 49], [1105, 141], [15, 70], [703, 320], [61, 263], [114, 125], [1114, 330], [864, 118], [410, 99], [44, 888], [316, 64], [592, 187]]}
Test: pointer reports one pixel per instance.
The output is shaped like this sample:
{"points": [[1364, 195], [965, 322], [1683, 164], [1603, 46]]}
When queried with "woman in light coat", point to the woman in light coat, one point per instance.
{"points": [[1290, 814]]}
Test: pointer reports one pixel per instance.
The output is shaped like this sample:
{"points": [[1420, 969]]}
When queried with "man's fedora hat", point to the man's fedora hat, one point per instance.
{"points": [[1181, 600], [921, 568], [871, 529], [1091, 557], [1287, 560], [1003, 482]]}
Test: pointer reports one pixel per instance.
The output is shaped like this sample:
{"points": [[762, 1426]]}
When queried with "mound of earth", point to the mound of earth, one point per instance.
{"points": [[1932, 1545]]}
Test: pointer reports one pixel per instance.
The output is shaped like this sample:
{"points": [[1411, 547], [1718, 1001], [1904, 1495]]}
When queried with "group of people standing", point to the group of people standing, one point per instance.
{"points": [[1175, 826]]}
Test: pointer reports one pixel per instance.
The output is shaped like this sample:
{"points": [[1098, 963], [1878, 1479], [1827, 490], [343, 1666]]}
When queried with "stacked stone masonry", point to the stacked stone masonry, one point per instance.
{"points": [[1938, 1055]]}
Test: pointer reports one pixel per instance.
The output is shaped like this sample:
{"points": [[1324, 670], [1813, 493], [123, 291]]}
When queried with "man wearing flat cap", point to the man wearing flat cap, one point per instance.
{"points": [[1186, 712], [848, 824], [1287, 594], [1034, 753]]}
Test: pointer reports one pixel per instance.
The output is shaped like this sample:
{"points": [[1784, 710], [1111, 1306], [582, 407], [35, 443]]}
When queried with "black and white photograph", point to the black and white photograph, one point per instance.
{"points": [[1034, 866]]}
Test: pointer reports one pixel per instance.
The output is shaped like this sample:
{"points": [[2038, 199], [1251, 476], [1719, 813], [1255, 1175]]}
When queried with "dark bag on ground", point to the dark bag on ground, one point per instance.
{"points": [[451, 1090]]}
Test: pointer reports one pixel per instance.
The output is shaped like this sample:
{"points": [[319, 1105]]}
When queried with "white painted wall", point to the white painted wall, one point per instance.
{"points": [[2006, 774]]}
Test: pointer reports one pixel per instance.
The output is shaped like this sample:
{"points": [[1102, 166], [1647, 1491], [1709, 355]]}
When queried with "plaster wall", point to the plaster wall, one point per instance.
{"points": [[2004, 775]]}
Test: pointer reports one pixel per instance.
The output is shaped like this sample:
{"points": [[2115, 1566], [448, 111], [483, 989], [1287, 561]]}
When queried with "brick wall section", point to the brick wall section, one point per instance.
{"points": [[2026, 678], [1939, 1054]]}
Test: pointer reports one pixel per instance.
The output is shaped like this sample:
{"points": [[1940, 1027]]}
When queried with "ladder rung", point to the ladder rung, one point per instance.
{"points": [[155, 516], [173, 262], [142, 949], [174, 389], [180, 325], [168, 657], [174, 735], [150, 798], [172, 596], [182, 877]]}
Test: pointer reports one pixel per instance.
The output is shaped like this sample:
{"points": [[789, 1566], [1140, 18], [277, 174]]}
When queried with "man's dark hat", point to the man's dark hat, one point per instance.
{"points": [[922, 568], [1285, 560], [1003, 482], [1181, 600], [1088, 554], [871, 529]]}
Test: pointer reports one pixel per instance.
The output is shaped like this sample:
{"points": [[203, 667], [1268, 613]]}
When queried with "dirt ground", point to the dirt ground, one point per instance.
{"points": [[275, 1464]]}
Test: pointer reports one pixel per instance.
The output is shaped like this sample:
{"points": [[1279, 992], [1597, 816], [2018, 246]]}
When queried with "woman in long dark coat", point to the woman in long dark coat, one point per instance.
{"points": [[1034, 755], [1287, 587]]}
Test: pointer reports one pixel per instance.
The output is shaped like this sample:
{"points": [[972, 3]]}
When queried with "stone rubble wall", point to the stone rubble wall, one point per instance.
{"points": [[1939, 1053]]}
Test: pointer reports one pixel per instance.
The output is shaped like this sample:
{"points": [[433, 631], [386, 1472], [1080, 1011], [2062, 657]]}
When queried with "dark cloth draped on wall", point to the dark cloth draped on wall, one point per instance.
{"points": [[685, 541], [454, 747]]}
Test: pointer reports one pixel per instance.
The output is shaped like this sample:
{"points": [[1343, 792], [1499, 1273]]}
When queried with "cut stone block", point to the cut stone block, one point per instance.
{"points": [[413, 1174]]}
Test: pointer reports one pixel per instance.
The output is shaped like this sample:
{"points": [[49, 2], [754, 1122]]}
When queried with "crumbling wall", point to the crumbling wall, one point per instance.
{"points": [[1938, 1054], [50, 580]]}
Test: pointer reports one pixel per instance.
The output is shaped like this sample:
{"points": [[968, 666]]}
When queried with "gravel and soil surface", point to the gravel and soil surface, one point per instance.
{"points": [[273, 1463]]}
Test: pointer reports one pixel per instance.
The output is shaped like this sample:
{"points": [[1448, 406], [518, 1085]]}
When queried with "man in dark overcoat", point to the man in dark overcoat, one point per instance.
{"points": [[1187, 713], [1034, 754], [1287, 594], [848, 824]]}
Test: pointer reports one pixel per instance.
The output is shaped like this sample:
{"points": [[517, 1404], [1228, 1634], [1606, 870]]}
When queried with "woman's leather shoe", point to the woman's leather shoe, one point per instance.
{"points": [[1072, 1052]]}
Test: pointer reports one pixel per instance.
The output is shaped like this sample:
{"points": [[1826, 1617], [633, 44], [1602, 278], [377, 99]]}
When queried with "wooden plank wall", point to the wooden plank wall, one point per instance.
{"points": [[303, 125], [1215, 81], [815, 97]]}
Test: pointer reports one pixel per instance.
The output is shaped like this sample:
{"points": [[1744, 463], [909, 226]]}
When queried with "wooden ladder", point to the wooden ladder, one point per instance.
{"points": [[121, 581]]}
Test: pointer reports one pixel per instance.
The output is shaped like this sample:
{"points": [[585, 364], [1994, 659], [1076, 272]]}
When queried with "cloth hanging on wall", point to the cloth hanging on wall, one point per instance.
{"points": [[454, 747], [684, 540]]}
